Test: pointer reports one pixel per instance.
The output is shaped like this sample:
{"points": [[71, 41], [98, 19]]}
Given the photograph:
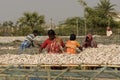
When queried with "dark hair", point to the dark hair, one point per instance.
{"points": [[51, 32], [35, 32], [72, 37]]}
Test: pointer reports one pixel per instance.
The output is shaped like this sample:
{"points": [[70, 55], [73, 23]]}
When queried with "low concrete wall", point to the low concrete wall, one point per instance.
{"points": [[9, 39], [98, 39]]}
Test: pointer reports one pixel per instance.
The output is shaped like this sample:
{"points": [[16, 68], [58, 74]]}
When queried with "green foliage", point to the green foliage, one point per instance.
{"points": [[99, 17], [41, 30], [96, 20], [105, 6], [83, 3], [65, 30], [71, 25], [7, 23], [74, 21], [31, 19], [24, 31]]}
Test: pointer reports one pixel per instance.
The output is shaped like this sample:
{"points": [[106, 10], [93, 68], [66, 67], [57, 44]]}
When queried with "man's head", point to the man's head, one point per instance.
{"points": [[51, 34], [35, 32]]}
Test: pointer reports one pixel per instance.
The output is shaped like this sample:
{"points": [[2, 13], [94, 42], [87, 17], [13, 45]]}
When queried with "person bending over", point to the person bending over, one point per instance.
{"points": [[72, 45], [89, 42], [53, 44], [29, 41]]}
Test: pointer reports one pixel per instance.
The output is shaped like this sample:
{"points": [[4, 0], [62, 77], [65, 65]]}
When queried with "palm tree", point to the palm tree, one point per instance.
{"points": [[31, 19], [105, 6], [83, 3], [106, 9]]}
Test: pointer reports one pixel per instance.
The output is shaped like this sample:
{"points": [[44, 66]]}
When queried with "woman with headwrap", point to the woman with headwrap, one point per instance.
{"points": [[89, 42]]}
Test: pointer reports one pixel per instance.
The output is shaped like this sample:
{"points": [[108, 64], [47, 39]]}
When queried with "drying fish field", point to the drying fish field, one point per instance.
{"points": [[102, 63]]}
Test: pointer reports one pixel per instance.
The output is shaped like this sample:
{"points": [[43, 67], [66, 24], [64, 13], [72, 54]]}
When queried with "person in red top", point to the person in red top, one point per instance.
{"points": [[53, 44]]}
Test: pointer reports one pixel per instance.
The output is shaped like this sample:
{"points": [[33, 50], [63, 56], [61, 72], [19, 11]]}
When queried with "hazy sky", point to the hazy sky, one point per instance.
{"points": [[58, 10]]}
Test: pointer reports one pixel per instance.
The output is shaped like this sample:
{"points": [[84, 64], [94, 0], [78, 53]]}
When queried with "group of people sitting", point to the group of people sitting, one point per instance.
{"points": [[54, 44]]}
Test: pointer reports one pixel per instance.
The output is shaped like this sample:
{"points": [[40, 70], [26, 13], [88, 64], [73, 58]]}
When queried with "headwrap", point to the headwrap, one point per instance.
{"points": [[89, 36]]}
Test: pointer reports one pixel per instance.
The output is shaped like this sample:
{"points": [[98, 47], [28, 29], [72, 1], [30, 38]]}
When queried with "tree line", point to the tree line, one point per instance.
{"points": [[95, 20]]}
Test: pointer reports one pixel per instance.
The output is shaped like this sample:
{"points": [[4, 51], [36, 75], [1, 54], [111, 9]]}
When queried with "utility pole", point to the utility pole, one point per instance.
{"points": [[51, 23], [85, 20], [84, 4], [85, 26], [77, 28]]}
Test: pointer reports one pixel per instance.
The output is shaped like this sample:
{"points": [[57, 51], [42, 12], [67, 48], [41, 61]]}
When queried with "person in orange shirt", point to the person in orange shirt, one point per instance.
{"points": [[72, 44]]}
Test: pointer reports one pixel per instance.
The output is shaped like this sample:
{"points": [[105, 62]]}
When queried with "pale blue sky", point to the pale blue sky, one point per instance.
{"points": [[58, 10]]}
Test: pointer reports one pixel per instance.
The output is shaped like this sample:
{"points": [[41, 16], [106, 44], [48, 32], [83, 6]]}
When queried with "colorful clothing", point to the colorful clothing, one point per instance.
{"points": [[30, 38], [53, 46], [89, 42], [71, 46]]}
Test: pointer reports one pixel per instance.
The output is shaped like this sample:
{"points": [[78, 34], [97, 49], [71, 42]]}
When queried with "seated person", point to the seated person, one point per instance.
{"points": [[53, 44], [72, 44], [89, 42]]}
